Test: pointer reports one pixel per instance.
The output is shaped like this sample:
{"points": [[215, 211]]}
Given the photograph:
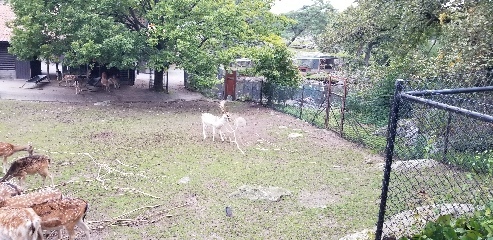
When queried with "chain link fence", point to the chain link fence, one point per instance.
{"points": [[339, 106], [439, 157], [442, 158]]}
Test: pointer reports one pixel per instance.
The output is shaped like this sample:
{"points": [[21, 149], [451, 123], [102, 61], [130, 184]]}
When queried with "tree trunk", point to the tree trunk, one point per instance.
{"points": [[296, 35], [158, 80], [368, 53], [48, 70]]}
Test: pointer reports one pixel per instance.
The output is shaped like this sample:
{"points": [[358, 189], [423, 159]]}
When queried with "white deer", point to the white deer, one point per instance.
{"points": [[215, 122]]}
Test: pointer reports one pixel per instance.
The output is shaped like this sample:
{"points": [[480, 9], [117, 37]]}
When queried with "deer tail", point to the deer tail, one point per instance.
{"points": [[85, 210]]}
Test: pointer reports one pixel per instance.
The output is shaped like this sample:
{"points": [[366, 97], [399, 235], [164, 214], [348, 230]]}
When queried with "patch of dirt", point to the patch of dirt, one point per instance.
{"points": [[264, 128], [102, 135], [412, 165], [273, 194], [319, 199]]}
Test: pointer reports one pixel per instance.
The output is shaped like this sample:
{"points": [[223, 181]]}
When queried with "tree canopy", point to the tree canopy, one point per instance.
{"points": [[196, 35], [414, 37], [310, 20]]}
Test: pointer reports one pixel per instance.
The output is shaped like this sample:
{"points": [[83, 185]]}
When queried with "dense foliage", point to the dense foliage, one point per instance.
{"points": [[309, 21], [412, 38], [436, 44], [273, 61], [478, 226], [194, 35]]}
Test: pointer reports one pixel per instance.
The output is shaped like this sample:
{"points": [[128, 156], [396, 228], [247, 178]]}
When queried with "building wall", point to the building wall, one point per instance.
{"points": [[7, 62], [7, 74]]}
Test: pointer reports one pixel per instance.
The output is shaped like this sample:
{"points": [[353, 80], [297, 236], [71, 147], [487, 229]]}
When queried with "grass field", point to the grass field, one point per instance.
{"points": [[148, 174]]}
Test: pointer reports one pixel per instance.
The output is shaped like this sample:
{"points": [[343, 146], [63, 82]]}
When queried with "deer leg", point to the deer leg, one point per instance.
{"points": [[70, 230], [60, 233], [45, 174], [51, 177], [213, 133], [203, 130], [83, 226], [40, 234], [221, 134], [21, 182], [4, 164]]}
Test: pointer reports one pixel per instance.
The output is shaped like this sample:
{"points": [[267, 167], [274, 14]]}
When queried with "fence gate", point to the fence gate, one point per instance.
{"points": [[230, 85]]}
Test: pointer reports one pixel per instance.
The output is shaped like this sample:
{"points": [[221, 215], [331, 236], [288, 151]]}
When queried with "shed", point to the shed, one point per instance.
{"points": [[315, 64], [10, 66]]}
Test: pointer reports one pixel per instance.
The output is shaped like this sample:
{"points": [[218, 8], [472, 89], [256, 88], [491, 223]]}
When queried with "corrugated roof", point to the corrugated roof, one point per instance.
{"points": [[6, 15]]}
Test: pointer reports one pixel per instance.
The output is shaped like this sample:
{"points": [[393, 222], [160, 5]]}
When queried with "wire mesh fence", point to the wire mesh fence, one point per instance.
{"points": [[336, 106], [439, 157], [442, 159]]}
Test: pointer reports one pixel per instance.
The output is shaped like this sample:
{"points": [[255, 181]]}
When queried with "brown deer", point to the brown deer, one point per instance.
{"points": [[29, 165], [114, 81], [33, 198], [20, 224], [63, 213], [7, 149], [79, 83], [82, 82], [67, 78], [105, 82], [8, 190]]}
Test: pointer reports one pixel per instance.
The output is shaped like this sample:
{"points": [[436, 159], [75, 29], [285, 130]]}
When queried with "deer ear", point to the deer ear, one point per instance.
{"points": [[222, 105]]}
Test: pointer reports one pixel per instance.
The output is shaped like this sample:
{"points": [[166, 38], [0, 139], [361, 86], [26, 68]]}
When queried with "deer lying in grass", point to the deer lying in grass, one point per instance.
{"points": [[215, 122], [20, 224], [33, 198], [7, 149], [63, 213], [8, 190], [30, 165]]}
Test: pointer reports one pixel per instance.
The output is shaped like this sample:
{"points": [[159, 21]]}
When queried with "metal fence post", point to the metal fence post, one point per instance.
{"points": [[261, 90], [447, 133], [389, 152], [343, 106], [327, 111], [302, 100]]}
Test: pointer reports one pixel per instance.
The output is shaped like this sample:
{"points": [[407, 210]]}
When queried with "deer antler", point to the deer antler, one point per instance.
{"points": [[222, 106]]}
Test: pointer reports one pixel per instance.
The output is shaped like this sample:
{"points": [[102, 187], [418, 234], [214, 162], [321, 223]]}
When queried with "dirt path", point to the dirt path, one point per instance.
{"points": [[17, 89]]}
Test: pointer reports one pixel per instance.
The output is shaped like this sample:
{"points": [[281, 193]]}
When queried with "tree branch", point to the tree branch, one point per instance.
{"points": [[136, 21], [203, 41]]}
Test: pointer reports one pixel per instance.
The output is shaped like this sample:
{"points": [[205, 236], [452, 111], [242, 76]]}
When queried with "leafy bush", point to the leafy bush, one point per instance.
{"points": [[479, 161], [477, 226], [372, 102]]}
